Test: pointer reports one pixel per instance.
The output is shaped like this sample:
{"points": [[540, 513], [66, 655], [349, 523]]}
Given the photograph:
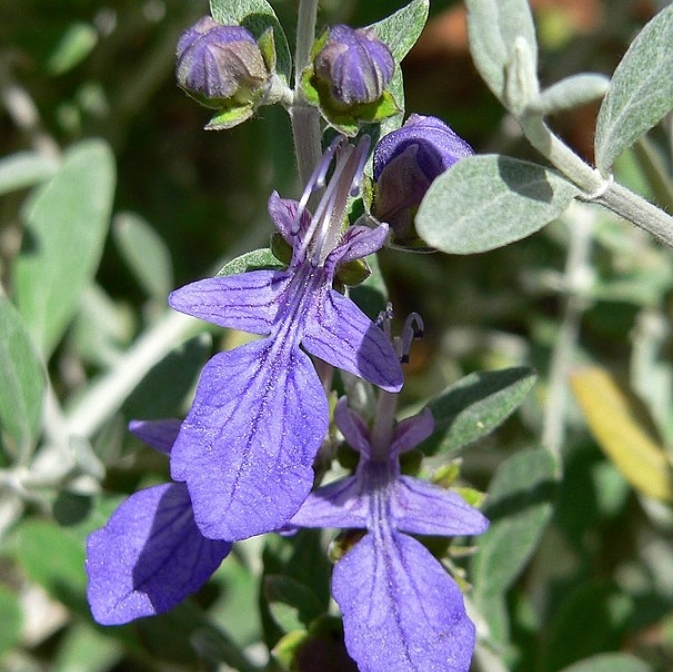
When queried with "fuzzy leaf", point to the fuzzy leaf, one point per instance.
{"points": [[475, 405], [257, 16], [257, 260], [493, 27], [65, 226], [641, 91], [22, 376], [489, 201], [519, 507], [610, 662], [401, 29], [570, 93], [145, 253], [24, 169]]}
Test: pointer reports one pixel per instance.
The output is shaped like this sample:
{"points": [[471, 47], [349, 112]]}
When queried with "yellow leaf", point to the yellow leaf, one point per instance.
{"points": [[642, 462]]}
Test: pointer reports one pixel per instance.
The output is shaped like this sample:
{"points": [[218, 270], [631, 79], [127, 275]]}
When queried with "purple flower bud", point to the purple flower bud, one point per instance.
{"points": [[406, 162], [354, 65], [220, 64]]}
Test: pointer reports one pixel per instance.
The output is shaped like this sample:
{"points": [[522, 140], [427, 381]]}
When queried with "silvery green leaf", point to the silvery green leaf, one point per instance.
{"points": [[401, 29], [25, 169], [519, 507], [65, 224], [145, 253], [257, 16], [251, 261], [569, 93], [74, 46], [488, 201], [493, 28], [475, 405], [641, 91], [23, 379], [610, 662]]}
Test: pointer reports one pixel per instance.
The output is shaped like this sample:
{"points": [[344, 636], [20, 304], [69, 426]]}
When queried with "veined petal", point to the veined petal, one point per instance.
{"points": [[247, 446], [248, 301], [149, 556], [339, 504], [337, 331], [159, 434], [412, 431], [357, 242], [352, 426], [419, 507], [401, 611], [283, 212]]}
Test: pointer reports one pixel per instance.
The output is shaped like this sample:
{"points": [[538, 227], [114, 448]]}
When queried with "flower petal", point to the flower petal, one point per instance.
{"points": [[401, 611], [357, 242], [149, 556], [247, 446], [159, 434], [412, 431], [419, 507], [352, 426], [337, 331], [339, 504], [283, 212], [248, 301]]}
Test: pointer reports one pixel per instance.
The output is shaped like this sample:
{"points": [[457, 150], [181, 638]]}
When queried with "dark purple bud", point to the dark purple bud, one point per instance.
{"points": [[354, 65], [406, 162], [220, 65]]}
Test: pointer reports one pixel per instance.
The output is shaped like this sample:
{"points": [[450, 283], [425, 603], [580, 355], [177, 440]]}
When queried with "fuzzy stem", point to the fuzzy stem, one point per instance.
{"points": [[305, 118]]}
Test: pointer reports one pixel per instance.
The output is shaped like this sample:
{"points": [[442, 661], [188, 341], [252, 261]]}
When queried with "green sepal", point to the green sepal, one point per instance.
{"points": [[346, 120], [343, 542], [228, 117], [281, 249], [267, 46], [353, 273]]}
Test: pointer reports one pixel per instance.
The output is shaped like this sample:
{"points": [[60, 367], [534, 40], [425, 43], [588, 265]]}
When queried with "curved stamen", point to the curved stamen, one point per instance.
{"points": [[316, 181]]}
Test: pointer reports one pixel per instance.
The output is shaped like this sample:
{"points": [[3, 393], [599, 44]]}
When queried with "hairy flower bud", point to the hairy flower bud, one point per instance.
{"points": [[406, 162], [220, 65], [354, 66]]}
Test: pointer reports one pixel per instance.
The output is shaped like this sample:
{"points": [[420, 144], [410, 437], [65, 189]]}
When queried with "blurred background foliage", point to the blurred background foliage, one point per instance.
{"points": [[601, 579]]}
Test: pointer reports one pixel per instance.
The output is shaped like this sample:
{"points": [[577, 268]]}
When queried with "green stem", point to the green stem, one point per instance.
{"points": [[576, 273], [305, 117], [596, 188]]}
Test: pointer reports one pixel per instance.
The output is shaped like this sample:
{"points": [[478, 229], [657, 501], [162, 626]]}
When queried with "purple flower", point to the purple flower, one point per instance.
{"points": [[401, 610], [260, 412], [151, 555], [220, 64], [406, 162], [353, 65]]}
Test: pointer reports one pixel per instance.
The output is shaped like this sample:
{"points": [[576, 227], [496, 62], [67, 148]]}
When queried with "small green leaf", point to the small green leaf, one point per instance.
{"points": [[229, 117], [11, 618], [401, 30], [53, 557], [24, 169], [292, 605], [641, 91], [519, 507], [570, 93], [257, 16], [493, 28], [251, 261], [609, 662], [475, 405], [23, 379], [75, 45], [145, 253], [65, 226], [488, 201]]}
